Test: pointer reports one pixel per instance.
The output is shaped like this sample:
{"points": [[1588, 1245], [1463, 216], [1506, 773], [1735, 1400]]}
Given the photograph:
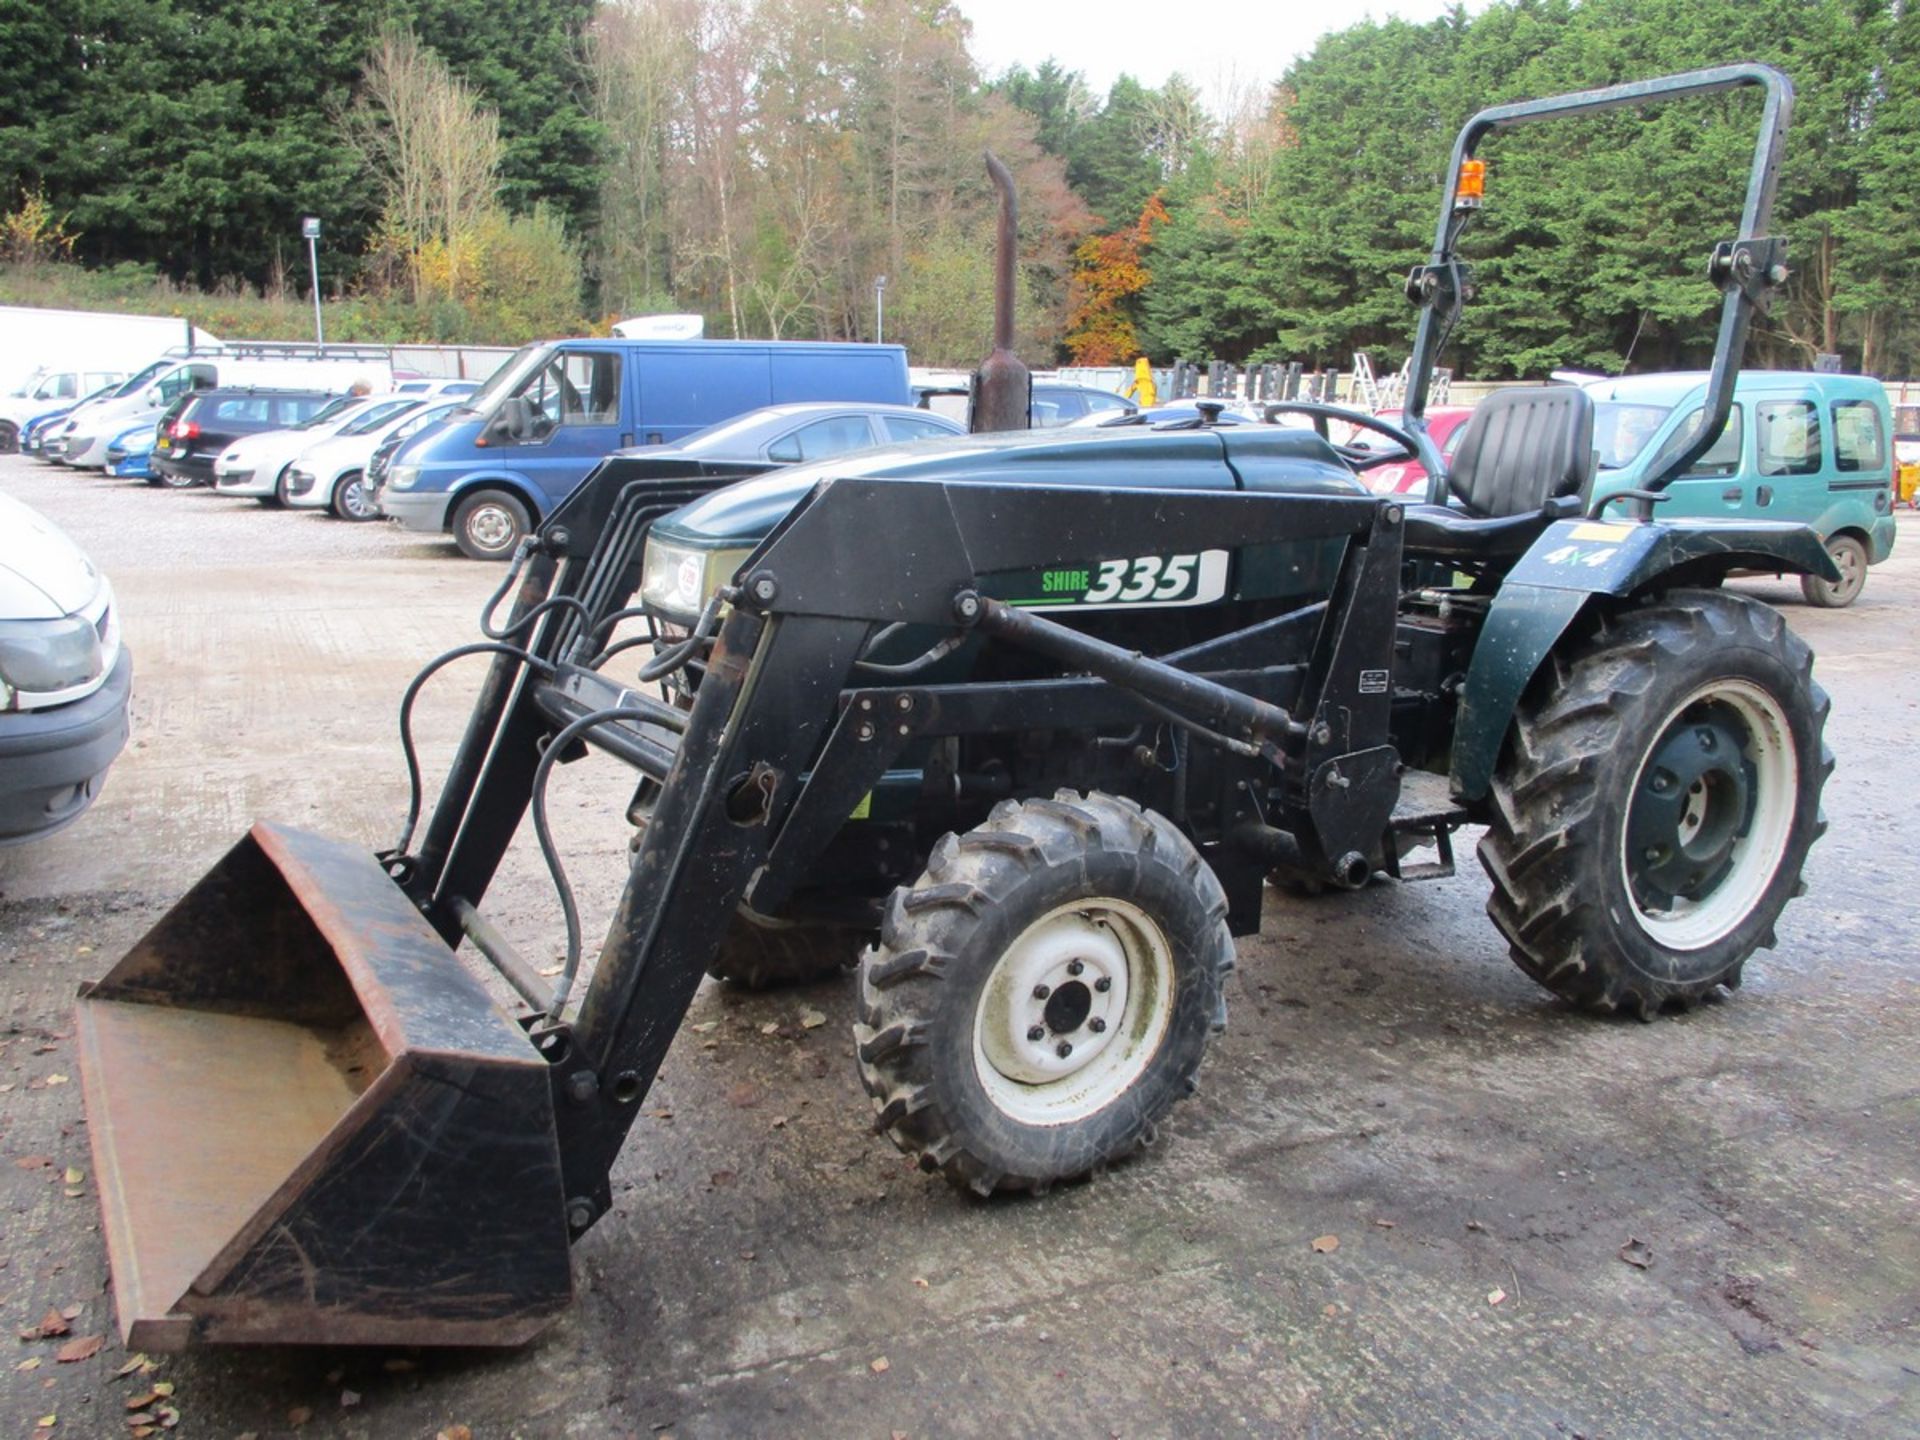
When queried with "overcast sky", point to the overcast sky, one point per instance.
{"points": [[1220, 48]]}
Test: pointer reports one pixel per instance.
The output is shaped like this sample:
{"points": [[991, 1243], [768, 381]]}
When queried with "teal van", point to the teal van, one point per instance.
{"points": [[1816, 449], [500, 463]]}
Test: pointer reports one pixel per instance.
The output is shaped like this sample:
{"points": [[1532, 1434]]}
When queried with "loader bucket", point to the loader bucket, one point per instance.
{"points": [[311, 1124]]}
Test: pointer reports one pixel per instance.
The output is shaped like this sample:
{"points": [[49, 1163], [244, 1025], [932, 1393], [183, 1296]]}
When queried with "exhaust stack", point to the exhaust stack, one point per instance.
{"points": [[1002, 386]]}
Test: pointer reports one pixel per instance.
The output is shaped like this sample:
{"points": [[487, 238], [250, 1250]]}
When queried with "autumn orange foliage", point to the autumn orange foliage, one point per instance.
{"points": [[1108, 271]]}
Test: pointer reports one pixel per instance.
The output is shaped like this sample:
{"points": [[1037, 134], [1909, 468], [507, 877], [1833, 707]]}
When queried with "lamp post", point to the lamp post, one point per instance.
{"points": [[310, 227], [879, 309]]}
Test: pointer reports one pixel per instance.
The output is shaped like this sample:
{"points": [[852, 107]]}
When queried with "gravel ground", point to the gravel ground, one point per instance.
{"points": [[772, 1267]]}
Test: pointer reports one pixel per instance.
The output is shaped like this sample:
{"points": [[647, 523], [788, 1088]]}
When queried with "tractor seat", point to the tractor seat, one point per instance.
{"points": [[1525, 459]]}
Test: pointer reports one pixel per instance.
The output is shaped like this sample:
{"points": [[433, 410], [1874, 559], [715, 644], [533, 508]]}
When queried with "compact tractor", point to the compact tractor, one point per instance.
{"points": [[1019, 725]]}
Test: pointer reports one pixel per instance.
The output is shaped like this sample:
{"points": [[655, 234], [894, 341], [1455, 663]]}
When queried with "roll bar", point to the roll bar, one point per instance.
{"points": [[1746, 269]]}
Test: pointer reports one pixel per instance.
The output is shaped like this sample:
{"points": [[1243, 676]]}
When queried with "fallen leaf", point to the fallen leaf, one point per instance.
{"points": [[83, 1348], [1475, 1225], [71, 1312], [779, 1122], [661, 1114], [349, 1399], [772, 1027], [706, 1027], [164, 1387], [1637, 1253], [399, 1365], [142, 1432], [75, 1175], [454, 1432], [812, 1019], [32, 1364], [880, 1366], [56, 1079], [35, 1162], [51, 1324], [140, 1402], [744, 1096], [921, 1281], [169, 1417], [1327, 1244], [719, 1178], [142, 1421], [552, 969], [1384, 1224], [46, 1422], [299, 1415], [132, 1365], [1494, 1297]]}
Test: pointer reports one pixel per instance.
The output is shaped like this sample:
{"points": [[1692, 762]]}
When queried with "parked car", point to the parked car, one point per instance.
{"points": [[130, 455], [1408, 476], [1057, 404], [391, 442], [200, 426], [32, 436], [552, 412], [51, 440], [255, 466], [333, 368], [65, 678], [1051, 403], [331, 473], [46, 390], [1797, 446]]}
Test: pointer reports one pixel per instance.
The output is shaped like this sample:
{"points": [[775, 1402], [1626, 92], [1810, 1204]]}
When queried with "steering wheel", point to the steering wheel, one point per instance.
{"points": [[1357, 456]]}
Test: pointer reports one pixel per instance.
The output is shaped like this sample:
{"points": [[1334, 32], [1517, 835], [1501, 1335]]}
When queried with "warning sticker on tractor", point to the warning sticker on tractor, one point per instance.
{"points": [[1373, 682], [1137, 582]]}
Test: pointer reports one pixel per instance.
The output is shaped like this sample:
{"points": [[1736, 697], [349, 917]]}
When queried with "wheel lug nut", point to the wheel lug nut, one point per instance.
{"points": [[1097, 1025], [1036, 1032], [1103, 984], [1074, 967], [1040, 992], [1063, 1049]]}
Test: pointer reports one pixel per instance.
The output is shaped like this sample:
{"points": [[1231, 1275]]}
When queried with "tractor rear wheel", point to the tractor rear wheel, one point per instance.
{"points": [[759, 953], [1655, 805], [1044, 993]]}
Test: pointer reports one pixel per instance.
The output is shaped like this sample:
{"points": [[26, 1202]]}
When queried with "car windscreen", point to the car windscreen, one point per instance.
{"points": [[332, 410], [1621, 430], [378, 415], [133, 385], [414, 424], [514, 369]]}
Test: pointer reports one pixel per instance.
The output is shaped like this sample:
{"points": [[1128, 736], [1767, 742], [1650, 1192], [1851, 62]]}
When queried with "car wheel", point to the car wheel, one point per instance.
{"points": [[490, 524], [281, 494], [350, 500], [1851, 558], [9, 437]]}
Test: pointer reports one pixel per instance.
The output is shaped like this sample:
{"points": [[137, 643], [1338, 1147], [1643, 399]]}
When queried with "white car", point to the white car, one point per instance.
{"points": [[46, 390], [256, 466], [331, 474], [65, 678]]}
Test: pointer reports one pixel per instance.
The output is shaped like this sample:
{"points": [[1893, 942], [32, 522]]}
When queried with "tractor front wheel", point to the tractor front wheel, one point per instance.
{"points": [[1044, 993], [1656, 802]]}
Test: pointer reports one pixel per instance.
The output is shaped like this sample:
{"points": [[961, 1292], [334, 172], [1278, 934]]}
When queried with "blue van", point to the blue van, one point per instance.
{"points": [[1811, 448], [555, 409]]}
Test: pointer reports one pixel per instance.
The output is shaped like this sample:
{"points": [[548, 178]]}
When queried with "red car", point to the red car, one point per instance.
{"points": [[1397, 477]]}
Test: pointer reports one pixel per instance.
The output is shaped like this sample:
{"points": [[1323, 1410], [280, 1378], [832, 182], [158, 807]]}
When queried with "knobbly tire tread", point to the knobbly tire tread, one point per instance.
{"points": [[921, 964], [757, 955], [1572, 735]]}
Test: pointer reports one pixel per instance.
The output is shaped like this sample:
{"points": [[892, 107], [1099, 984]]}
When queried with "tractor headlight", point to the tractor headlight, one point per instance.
{"points": [[43, 657], [680, 579], [403, 477]]}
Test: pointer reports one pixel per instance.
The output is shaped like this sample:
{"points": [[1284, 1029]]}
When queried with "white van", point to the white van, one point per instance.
{"points": [[297, 367]]}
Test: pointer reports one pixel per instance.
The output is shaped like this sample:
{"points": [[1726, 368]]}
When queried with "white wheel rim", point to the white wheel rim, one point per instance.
{"points": [[1852, 570], [1756, 854], [1095, 976], [490, 526]]}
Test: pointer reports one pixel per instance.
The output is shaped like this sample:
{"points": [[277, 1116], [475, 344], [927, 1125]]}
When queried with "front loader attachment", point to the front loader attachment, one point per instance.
{"points": [[311, 1124]]}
